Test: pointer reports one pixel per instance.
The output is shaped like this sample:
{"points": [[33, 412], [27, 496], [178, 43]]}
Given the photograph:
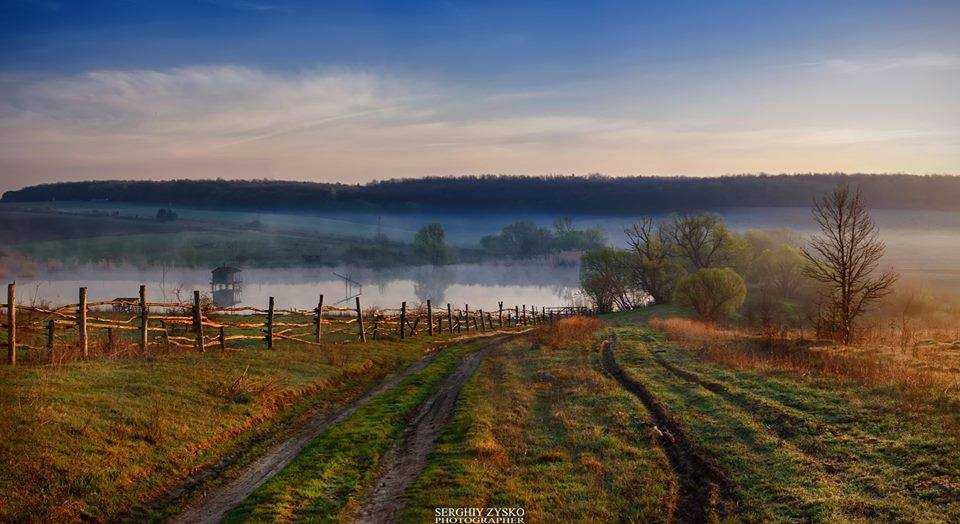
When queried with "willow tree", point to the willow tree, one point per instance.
{"points": [[844, 258]]}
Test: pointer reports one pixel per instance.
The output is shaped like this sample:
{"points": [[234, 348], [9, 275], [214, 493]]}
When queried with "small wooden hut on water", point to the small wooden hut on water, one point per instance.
{"points": [[226, 286]]}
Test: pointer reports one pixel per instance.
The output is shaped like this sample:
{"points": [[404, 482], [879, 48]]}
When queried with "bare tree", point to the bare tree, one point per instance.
{"points": [[702, 239], [844, 258], [655, 270]]}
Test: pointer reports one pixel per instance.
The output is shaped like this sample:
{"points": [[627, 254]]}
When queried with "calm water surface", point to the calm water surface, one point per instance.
{"points": [[480, 286]]}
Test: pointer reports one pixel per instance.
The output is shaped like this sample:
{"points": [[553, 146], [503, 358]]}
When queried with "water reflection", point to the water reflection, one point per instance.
{"points": [[480, 285], [431, 283]]}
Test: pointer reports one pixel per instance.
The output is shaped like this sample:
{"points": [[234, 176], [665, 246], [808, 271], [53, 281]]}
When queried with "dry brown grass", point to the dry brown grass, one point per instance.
{"points": [[926, 377], [569, 333]]}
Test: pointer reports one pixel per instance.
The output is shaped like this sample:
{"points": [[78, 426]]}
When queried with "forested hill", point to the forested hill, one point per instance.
{"points": [[561, 194]]}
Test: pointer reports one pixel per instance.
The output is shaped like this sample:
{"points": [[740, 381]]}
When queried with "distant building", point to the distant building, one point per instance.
{"points": [[226, 286]]}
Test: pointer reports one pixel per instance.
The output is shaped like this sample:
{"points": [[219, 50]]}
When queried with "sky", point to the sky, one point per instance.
{"points": [[366, 90]]}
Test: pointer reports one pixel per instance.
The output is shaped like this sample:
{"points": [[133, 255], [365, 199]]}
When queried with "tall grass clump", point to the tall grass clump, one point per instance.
{"points": [[569, 333], [915, 382]]}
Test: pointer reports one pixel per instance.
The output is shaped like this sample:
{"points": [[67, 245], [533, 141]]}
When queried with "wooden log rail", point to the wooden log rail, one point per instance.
{"points": [[200, 326]]}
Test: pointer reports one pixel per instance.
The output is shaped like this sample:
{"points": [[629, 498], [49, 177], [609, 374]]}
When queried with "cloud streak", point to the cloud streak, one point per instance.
{"points": [[354, 125]]}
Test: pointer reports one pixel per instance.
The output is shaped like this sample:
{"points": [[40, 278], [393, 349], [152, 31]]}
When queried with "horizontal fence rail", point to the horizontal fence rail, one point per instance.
{"points": [[59, 333]]}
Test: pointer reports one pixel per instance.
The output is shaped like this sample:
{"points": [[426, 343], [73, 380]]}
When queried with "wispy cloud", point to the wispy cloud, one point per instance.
{"points": [[923, 61], [357, 125]]}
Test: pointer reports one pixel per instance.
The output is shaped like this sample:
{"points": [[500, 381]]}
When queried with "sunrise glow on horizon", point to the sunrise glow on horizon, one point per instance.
{"points": [[352, 92]]}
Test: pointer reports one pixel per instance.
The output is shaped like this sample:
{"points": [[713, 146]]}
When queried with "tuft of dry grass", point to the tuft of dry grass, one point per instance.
{"points": [[921, 379], [569, 333]]}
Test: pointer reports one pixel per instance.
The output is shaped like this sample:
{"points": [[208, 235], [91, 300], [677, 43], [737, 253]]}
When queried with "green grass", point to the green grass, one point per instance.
{"points": [[326, 480], [547, 431], [803, 447], [100, 438]]}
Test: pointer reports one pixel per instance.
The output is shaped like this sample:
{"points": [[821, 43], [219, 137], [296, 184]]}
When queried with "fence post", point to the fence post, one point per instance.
{"points": [[466, 315], [429, 318], [516, 315], [363, 336], [449, 319], [403, 320], [51, 325], [198, 320], [110, 340], [480, 325], [500, 323], [223, 339], [12, 323], [144, 321], [270, 324], [82, 322], [319, 330]]}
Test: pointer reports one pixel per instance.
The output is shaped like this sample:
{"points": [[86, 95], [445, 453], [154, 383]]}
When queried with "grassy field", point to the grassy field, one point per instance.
{"points": [[327, 481], [811, 433], [806, 446], [100, 438], [542, 428]]}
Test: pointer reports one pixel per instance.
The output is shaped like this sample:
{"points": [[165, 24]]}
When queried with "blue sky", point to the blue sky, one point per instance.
{"points": [[355, 91]]}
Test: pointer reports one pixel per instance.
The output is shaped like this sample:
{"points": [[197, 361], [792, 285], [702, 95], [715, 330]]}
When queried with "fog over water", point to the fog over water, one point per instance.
{"points": [[916, 239], [920, 244]]}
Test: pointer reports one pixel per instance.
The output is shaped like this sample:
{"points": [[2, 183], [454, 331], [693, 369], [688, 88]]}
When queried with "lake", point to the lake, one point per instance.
{"points": [[479, 285], [920, 244]]}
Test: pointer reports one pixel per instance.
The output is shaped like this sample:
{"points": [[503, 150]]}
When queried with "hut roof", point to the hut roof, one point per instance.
{"points": [[226, 270]]}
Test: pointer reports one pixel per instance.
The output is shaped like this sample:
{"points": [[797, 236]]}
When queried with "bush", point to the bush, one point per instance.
{"points": [[713, 293]]}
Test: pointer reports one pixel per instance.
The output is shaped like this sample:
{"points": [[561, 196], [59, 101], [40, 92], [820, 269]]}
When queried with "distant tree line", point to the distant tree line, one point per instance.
{"points": [[595, 194]]}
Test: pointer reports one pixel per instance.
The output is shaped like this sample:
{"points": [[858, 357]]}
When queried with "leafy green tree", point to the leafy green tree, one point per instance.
{"points": [[713, 293], [430, 244], [519, 239], [568, 238]]}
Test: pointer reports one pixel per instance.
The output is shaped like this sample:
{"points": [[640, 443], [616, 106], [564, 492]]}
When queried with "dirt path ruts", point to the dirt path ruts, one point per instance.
{"points": [[213, 506], [404, 464], [704, 492]]}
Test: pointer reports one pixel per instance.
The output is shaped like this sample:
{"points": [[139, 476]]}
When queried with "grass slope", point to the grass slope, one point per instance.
{"points": [[97, 439], [328, 478], [802, 447], [545, 430]]}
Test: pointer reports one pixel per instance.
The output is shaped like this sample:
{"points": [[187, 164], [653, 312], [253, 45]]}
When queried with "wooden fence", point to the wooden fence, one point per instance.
{"points": [[200, 325]]}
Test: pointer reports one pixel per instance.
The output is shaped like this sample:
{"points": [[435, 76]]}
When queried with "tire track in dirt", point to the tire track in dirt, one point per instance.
{"points": [[405, 463], [787, 427], [704, 490], [213, 506]]}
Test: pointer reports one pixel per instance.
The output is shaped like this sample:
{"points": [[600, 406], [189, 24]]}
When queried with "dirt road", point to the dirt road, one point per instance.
{"points": [[405, 463]]}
